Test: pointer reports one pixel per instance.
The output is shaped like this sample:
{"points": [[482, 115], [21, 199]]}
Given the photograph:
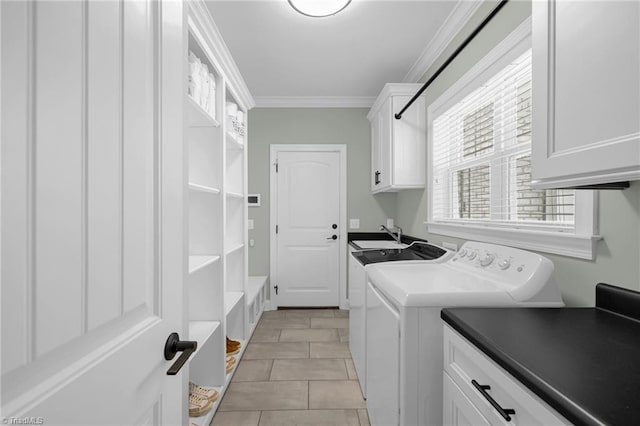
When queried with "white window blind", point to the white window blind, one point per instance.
{"points": [[481, 159]]}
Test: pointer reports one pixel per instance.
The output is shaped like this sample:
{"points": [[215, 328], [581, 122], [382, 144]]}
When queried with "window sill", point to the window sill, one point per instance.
{"points": [[564, 244]]}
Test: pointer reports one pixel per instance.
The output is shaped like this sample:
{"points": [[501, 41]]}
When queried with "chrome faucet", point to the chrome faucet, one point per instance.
{"points": [[397, 237]]}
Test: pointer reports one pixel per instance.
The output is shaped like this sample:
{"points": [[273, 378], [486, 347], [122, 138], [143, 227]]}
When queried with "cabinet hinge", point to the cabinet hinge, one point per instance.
{"points": [[276, 229]]}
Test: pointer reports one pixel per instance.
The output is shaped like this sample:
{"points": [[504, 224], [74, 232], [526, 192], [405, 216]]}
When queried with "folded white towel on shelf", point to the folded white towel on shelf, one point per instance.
{"points": [[240, 116]]}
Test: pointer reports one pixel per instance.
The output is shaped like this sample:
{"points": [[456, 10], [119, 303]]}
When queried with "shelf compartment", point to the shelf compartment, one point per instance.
{"points": [[203, 188], [234, 140], [231, 300], [232, 194], [198, 262], [234, 166], [205, 231], [206, 419], [205, 151], [234, 248], [201, 331], [205, 291], [197, 116]]}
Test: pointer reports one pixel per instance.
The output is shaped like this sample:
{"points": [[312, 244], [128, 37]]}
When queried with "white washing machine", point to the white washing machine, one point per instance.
{"points": [[404, 349], [359, 262]]}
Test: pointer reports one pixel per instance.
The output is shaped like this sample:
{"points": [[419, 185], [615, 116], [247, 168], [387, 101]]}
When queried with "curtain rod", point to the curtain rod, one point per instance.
{"points": [[450, 59]]}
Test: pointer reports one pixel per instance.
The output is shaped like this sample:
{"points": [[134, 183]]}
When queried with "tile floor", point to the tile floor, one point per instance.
{"points": [[297, 370]]}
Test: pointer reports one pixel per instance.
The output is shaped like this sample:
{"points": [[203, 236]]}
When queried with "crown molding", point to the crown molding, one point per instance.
{"points": [[203, 26], [457, 19], [314, 101]]}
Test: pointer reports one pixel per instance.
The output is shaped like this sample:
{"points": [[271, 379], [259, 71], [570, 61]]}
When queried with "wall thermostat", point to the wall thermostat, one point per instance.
{"points": [[253, 200]]}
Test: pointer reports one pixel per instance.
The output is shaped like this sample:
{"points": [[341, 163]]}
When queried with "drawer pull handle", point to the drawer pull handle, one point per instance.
{"points": [[504, 412]]}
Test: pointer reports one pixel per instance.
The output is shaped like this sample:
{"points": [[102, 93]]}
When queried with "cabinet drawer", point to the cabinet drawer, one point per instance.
{"points": [[464, 363]]}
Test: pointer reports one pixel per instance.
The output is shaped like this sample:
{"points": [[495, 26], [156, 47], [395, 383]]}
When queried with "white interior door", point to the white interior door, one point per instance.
{"points": [[308, 256], [92, 211]]}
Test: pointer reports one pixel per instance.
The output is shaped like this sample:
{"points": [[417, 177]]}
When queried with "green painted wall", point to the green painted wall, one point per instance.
{"points": [[347, 126], [618, 254]]}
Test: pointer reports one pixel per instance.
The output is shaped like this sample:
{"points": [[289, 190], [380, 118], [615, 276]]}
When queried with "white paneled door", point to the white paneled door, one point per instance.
{"points": [[92, 211], [309, 235]]}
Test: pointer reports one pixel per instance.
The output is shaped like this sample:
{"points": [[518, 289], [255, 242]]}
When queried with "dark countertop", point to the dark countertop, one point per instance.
{"points": [[584, 362]]}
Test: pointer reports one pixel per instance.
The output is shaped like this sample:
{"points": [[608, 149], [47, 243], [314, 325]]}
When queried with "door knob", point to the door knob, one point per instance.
{"points": [[333, 237], [175, 345], [334, 226]]}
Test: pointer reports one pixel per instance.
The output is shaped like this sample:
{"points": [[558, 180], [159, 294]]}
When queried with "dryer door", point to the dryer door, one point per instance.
{"points": [[383, 359]]}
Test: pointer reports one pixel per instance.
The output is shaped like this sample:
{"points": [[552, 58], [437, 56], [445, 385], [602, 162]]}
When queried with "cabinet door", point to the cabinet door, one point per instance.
{"points": [[586, 126], [375, 153], [408, 143], [458, 410], [385, 152]]}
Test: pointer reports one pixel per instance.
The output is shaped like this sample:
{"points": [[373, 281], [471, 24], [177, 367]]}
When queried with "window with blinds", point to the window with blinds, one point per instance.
{"points": [[481, 158]]}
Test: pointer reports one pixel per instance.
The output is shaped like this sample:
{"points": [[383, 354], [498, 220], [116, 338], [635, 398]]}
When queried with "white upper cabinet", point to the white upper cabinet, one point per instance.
{"points": [[397, 146], [586, 92]]}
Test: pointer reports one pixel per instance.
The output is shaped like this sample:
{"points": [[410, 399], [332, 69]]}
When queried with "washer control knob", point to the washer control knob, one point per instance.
{"points": [[462, 252], [471, 255], [504, 264], [486, 260]]}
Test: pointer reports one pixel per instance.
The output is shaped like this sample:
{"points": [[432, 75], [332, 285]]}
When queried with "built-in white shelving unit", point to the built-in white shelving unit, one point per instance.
{"points": [[221, 300]]}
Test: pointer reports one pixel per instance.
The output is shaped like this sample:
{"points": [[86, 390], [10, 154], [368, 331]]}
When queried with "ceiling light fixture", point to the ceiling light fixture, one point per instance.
{"points": [[319, 8]]}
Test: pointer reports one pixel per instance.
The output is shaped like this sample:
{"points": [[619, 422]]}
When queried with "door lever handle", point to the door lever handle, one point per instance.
{"points": [[333, 237], [175, 345]]}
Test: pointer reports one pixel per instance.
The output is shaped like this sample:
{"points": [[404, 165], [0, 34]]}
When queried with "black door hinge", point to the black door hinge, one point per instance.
{"points": [[276, 164], [275, 287], [276, 229]]}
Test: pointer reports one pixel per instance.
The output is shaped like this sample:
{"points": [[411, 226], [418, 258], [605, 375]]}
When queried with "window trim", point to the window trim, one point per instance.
{"points": [[579, 242]]}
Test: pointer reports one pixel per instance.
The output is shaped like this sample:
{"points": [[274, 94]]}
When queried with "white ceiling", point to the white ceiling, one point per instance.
{"points": [[288, 59]]}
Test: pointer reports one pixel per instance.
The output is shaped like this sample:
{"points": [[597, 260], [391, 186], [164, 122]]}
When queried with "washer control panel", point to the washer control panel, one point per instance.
{"points": [[507, 263]]}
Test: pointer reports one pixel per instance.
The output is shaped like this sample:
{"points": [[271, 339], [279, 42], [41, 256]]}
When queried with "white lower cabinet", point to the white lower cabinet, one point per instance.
{"points": [[463, 401], [458, 410]]}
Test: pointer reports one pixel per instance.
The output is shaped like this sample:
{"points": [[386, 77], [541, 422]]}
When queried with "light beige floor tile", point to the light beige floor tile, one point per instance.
{"points": [[335, 394], [252, 396], [344, 334], [266, 335], [272, 314], [309, 369], [330, 350], [341, 313], [310, 417], [253, 370], [329, 323], [236, 418], [309, 335], [308, 313], [351, 369], [364, 417], [279, 350], [285, 323]]}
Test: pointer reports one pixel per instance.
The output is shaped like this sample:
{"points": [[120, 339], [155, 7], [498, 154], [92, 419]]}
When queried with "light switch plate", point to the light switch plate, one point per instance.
{"points": [[250, 223], [354, 223], [389, 223]]}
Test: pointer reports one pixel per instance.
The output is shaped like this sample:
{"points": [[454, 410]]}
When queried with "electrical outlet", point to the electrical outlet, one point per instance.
{"points": [[252, 242], [354, 223], [389, 223]]}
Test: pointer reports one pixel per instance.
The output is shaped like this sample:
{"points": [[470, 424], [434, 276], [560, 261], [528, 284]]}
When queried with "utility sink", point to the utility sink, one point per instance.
{"points": [[379, 244]]}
